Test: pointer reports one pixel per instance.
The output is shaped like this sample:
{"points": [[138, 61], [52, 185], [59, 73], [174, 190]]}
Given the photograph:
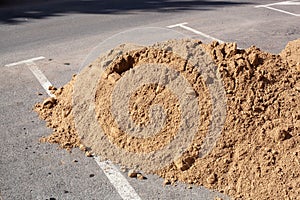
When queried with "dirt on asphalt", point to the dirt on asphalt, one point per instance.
{"points": [[257, 155]]}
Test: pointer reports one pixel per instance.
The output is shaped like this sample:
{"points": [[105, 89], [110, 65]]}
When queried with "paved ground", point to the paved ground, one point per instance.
{"points": [[65, 32]]}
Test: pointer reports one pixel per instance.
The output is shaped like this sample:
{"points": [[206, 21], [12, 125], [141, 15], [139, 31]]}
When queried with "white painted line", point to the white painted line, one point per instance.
{"points": [[24, 61], [282, 11], [45, 83], [125, 190], [292, 3], [122, 186], [183, 25], [175, 25], [284, 3]]}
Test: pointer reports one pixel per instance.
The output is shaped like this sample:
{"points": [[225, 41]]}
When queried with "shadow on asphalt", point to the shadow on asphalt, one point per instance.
{"points": [[11, 11]]}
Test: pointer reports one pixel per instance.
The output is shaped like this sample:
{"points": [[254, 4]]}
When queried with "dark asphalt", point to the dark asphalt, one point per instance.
{"points": [[65, 32]]}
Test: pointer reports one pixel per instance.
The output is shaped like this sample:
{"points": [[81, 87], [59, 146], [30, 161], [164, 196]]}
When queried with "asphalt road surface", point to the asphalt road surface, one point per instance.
{"points": [[64, 32]]}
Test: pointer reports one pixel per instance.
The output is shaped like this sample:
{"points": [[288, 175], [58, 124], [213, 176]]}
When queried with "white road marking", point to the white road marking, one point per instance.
{"points": [[24, 61], [45, 83], [123, 187], [175, 25], [121, 184], [283, 3], [282, 11], [183, 25]]}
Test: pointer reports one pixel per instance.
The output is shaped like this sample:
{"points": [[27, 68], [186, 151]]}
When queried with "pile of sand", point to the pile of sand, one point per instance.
{"points": [[257, 155]]}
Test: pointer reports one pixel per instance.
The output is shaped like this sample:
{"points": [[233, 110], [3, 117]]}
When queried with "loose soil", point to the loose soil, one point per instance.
{"points": [[257, 155]]}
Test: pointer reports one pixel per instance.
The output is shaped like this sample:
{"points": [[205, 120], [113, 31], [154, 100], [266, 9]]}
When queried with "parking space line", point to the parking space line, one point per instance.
{"points": [[121, 184], [295, 2], [24, 61], [282, 11], [282, 3], [115, 177], [45, 83], [183, 25]]}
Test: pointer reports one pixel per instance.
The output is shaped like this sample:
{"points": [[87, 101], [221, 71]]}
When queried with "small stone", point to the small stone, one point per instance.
{"points": [[297, 86], [157, 90], [59, 91], [114, 77], [132, 173], [91, 175], [66, 63], [66, 112], [281, 135], [43, 140], [82, 147], [253, 59], [39, 93], [167, 182], [295, 153], [140, 176], [75, 161], [179, 163], [184, 163], [49, 102], [190, 91], [88, 154], [51, 87], [229, 91], [211, 179], [189, 187], [115, 132]]}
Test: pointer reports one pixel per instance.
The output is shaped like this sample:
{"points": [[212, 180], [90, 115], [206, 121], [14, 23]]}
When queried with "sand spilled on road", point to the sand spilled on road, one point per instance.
{"points": [[257, 155]]}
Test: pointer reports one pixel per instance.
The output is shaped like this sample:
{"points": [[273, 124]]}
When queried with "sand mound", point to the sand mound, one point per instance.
{"points": [[291, 53], [256, 156]]}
